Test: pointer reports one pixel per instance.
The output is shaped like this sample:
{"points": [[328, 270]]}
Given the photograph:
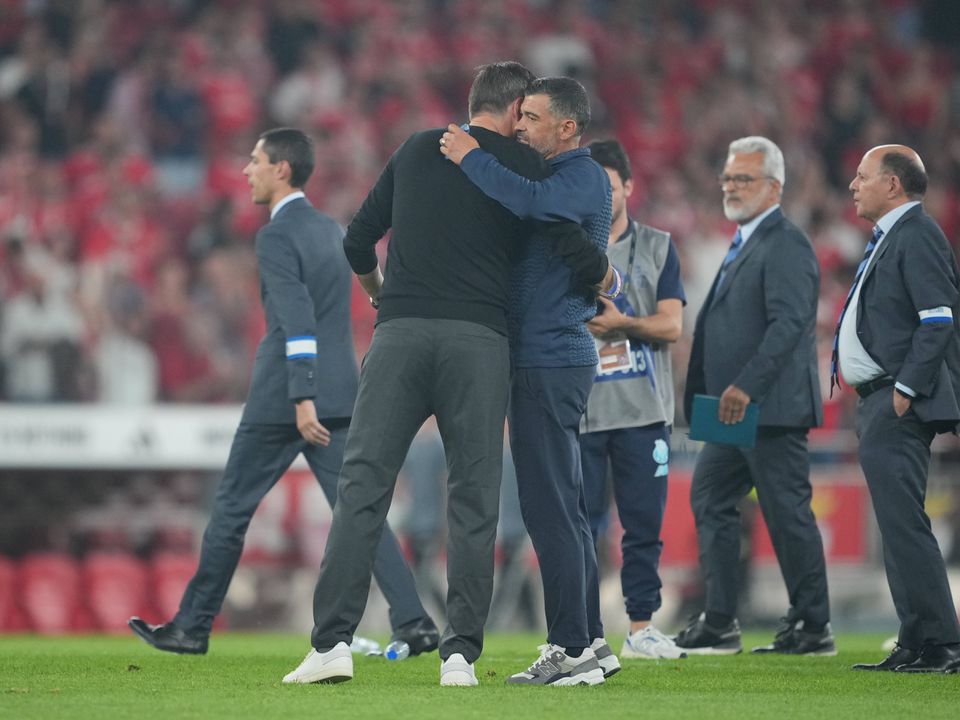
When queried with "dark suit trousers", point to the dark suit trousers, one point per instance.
{"points": [[458, 371], [779, 468], [259, 456], [895, 457], [546, 405]]}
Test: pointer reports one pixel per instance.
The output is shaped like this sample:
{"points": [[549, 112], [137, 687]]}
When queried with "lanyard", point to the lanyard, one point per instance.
{"points": [[630, 257]]}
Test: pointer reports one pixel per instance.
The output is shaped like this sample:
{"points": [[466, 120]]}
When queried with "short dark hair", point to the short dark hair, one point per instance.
{"points": [[294, 146], [497, 85], [568, 99], [912, 176], [610, 154]]}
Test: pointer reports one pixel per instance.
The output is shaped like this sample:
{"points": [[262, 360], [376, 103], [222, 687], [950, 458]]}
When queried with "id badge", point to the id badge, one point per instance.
{"points": [[616, 356]]}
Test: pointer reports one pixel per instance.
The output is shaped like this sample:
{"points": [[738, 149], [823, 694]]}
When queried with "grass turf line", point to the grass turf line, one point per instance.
{"points": [[121, 677]]}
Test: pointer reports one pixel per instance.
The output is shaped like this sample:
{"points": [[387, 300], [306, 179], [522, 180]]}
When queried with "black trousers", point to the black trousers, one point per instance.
{"points": [[895, 457], [546, 405], [259, 456], [779, 468], [458, 371]]}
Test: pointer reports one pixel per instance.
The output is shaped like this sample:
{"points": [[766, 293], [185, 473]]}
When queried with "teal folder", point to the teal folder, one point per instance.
{"points": [[705, 426]]}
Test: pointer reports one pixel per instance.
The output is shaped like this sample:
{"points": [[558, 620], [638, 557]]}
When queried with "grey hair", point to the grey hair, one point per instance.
{"points": [[772, 156]]}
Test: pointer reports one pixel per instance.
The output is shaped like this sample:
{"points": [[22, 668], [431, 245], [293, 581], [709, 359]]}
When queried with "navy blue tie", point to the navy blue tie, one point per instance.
{"points": [[835, 356], [730, 257]]}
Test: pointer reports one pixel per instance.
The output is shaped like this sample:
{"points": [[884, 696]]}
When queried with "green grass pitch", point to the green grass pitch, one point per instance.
{"points": [[121, 677]]}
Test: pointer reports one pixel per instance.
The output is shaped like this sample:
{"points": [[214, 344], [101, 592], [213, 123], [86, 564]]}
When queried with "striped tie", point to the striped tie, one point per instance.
{"points": [[835, 356]]}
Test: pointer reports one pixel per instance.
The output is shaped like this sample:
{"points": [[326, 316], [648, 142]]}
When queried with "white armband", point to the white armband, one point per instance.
{"points": [[941, 314], [303, 346]]}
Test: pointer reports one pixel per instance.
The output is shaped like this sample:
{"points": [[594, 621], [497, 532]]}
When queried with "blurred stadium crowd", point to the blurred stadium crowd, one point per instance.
{"points": [[126, 225], [127, 273]]}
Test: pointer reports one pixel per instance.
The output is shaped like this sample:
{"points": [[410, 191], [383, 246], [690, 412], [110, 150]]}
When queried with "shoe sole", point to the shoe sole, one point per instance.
{"points": [[458, 678], [591, 677], [642, 656], [609, 665], [821, 653], [906, 670], [335, 672], [815, 653], [712, 651]]}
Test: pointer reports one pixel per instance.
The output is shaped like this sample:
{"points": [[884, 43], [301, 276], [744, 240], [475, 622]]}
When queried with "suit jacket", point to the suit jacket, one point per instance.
{"points": [[914, 269], [305, 289], [758, 331]]}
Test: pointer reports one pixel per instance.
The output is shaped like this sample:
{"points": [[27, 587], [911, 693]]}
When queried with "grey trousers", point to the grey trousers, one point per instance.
{"points": [[895, 457], [779, 468], [458, 371], [259, 456]]}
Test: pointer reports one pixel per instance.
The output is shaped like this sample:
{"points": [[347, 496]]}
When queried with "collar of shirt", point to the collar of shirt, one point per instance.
{"points": [[890, 219], [288, 199], [746, 230], [569, 154], [631, 227]]}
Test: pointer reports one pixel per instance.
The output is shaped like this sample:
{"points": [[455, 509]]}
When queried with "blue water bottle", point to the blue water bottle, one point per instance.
{"points": [[397, 650]]}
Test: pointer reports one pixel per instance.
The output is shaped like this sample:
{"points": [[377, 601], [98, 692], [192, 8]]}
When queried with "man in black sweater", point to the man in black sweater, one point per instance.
{"points": [[440, 348]]}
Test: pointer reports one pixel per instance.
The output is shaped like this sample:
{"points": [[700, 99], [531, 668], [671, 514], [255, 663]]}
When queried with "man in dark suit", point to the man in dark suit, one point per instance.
{"points": [[898, 346], [301, 398], [754, 342]]}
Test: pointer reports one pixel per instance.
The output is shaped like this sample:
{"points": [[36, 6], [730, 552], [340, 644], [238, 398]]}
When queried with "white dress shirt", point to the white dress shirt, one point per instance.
{"points": [[856, 365], [746, 230], [289, 198]]}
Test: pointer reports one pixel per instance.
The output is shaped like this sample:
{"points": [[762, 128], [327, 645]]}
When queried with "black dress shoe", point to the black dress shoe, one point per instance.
{"points": [[168, 637], [934, 659], [793, 639], [421, 635], [899, 656]]}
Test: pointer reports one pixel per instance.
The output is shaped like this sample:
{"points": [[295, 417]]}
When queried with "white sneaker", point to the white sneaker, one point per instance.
{"points": [[608, 661], [333, 666], [555, 667], [651, 644], [455, 670]]}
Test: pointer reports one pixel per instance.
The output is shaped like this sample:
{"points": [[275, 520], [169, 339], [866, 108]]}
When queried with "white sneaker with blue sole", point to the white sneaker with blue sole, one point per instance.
{"points": [[650, 644]]}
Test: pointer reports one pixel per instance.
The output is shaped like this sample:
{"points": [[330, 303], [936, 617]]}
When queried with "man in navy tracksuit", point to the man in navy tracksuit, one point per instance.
{"points": [[553, 359]]}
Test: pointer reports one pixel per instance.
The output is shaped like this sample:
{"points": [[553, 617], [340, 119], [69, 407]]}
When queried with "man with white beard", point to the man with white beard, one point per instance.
{"points": [[754, 341]]}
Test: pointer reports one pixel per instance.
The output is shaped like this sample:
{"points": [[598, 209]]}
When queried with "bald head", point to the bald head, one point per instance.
{"points": [[887, 177], [910, 153]]}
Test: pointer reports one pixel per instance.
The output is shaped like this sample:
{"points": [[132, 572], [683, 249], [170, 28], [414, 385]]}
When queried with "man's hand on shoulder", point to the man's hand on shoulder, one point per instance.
{"points": [[308, 424], [733, 405], [456, 143]]}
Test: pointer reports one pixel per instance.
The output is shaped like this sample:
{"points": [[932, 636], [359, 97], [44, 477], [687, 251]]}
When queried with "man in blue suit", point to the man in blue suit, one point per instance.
{"points": [[300, 400], [898, 346]]}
